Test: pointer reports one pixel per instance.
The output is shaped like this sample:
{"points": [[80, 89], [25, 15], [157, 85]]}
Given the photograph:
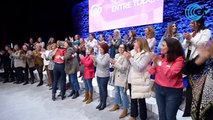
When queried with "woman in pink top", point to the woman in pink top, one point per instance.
{"points": [[168, 77]]}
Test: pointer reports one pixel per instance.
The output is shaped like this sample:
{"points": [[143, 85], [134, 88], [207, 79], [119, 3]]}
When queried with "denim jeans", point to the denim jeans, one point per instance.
{"points": [[168, 101], [74, 82], [102, 85], [59, 75], [121, 97], [88, 85]]}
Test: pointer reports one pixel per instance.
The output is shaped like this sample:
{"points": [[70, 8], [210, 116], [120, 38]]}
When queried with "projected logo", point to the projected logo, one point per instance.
{"points": [[96, 9], [195, 12]]}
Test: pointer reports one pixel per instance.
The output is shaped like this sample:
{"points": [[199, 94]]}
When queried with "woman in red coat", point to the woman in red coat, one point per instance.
{"points": [[89, 74]]}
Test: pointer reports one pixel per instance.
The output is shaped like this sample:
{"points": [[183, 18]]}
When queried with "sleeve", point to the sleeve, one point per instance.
{"points": [[88, 62], [104, 62], [152, 43], [185, 44], [206, 35], [117, 44], [68, 54], [191, 68], [142, 64], [180, 38], [151, 70], [83, 60], [50, 56], [174, 69], [160, 43], [122, 66]]}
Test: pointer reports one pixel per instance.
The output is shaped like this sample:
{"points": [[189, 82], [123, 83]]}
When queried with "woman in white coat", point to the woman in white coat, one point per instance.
{"points": [[139, 78]]}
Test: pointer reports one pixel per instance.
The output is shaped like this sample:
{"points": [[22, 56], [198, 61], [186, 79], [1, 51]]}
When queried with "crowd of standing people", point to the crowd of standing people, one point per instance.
{"points": [[128, 64]]}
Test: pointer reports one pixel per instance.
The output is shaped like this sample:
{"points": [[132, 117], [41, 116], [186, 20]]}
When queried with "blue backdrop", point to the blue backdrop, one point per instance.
{"points": [[174, 11]]}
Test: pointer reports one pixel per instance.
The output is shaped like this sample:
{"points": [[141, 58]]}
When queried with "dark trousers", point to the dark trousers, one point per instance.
{"points": [[32, 76], [142, 108], [26, 74], [59, 75], [39, 68], [130, 89], [19, 74], [188, 95], [168, 101], [8, 73], [134, 106], [209, 114], [102, 85]]}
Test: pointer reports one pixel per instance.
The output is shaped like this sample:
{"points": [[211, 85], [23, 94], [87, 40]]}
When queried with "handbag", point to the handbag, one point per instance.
{"points": [[112, 79]]}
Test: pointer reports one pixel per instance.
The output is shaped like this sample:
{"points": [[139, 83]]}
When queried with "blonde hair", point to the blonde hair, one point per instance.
{"points": [[151, 33], [60, 43], [143, 44]]}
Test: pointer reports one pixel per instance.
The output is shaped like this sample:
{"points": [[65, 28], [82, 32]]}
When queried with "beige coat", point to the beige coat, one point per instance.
{"points": [[30, 59], [18, 60], [140, 78], [120, 70]]}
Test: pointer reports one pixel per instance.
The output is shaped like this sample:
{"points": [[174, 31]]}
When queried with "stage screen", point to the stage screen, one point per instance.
{"points": [[111, 14]]}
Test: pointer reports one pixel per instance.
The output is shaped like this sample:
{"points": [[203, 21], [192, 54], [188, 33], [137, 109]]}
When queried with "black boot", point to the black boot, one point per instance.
{"points": [[53, 97], [25, 83], [72, 93], [32, 80], [98, 107], [75, 95], [63, 97], [102, 107], [40, 84], [5, 81]]}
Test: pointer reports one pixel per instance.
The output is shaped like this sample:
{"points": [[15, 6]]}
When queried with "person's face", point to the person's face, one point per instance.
{"points": [[6, 48], [164, 48], [76, 37], [16, 47], [38, 47], [39, 39], [31, 40], [194, 26], [24, 47], [174, 28], [91, 37], [121, 49], [81, 40], [66, 45], [88, 51], [130, 34], [101, 50], [146, 31], [115, 34], [101, 37], [136, 46], [53, 47]]}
